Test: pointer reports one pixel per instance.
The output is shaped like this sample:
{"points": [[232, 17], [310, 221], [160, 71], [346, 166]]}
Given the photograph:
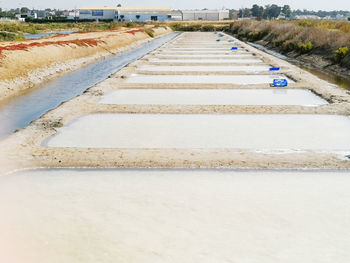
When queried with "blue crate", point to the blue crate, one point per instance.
{"points": [[274, 69], [280, 83], [230, 40], [234, 48], [221, 35], [215, 32]]}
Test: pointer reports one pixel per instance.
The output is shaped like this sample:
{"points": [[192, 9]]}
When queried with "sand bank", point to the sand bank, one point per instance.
{"points": [[27, 64]]}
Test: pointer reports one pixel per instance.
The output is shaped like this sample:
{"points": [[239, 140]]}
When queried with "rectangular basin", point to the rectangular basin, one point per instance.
{"points": [[227, 68], [214, 97], [208, 61], [208, 56], [243, 131], [204, 79], [90, 216]]}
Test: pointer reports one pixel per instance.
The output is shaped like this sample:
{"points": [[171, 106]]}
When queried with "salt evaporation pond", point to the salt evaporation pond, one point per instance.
{"points": [[214, 97], [214, 51], [89, 216], [207, 61], [208, 56], [205, 79], [181, 49], [229, 68], [243, 131]]}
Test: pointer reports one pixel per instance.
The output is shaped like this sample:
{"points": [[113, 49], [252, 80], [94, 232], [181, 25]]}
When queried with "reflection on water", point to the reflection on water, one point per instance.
{"points": [[20, 111], [332, 78]]}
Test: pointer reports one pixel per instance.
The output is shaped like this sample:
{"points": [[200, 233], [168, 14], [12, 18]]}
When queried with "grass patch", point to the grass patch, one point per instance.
{"points": [[340, 53], [149, 32], [7, 36]]}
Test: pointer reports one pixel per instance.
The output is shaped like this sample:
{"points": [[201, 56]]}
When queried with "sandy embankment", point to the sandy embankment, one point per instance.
{"points": [[27, 64]]}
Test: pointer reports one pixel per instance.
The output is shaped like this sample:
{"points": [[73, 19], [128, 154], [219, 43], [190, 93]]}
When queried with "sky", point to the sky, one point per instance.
{"points": [[178, 4]]}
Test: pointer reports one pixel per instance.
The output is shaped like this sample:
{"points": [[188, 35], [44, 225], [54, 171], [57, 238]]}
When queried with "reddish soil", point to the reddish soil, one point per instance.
{"points": [[133, 31], [25, 47]]}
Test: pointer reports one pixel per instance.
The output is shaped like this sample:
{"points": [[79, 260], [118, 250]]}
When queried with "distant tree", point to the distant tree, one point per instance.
{"points": [[257, 11], [119, 5], [8, 14], [244, 12], [349, 18], [24, 10], [287, 11], [271, 11]]}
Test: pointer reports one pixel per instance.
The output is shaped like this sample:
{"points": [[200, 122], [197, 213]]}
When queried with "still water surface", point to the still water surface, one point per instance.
{"points": [[20, 111]]}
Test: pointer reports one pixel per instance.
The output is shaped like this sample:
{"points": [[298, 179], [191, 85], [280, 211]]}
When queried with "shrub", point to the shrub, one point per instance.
{"points": [[130, 24], [208, 28], [186, 27], [6, 36], [149, 32], [256, 35], [341, 52], [305, 47], [289, 46]]}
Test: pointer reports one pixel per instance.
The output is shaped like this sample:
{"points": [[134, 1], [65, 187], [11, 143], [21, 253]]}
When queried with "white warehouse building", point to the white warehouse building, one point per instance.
{"points": [[211, 15], [126, 13]]}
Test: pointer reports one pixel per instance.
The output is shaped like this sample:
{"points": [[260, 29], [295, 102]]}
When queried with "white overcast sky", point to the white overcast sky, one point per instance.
{"points": [[179, 4]]}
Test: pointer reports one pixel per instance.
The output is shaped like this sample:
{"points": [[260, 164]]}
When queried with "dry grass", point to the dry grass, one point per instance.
{"points": [[325, 35]]}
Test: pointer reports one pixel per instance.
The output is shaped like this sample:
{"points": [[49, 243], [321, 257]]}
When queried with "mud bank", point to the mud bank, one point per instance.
{"points": [[321, 62], [28, 64]]}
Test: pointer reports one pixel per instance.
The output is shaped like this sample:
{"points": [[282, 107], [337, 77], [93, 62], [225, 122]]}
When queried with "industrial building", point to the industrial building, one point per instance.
{"points": [[126, 13], [211, 15]]}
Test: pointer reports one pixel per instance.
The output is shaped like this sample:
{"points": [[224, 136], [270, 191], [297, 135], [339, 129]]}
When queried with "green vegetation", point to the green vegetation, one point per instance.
{"points": [[273, 11], [19, 28], [305, 47], [149, 32], [340, 53], [6, 36], [199, 26]]}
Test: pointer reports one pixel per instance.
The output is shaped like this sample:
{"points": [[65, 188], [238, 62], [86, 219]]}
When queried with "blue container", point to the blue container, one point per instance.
{"points": [[234, 48], [221, 35], [280, 83], [274, 69], [215, 32], [230, 41]]}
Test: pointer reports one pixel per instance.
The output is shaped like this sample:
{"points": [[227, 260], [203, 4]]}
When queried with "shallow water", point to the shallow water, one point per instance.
{"points": [[20, 111], [108, 216], [208, 61], [208, 56], [257, 68], [46, 34], [205, 79], [246, 131], [214, 97], [198, 52]]}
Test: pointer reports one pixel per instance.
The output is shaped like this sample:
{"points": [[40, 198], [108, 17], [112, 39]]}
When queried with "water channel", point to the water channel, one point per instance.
{"points": [[20, 111]]}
